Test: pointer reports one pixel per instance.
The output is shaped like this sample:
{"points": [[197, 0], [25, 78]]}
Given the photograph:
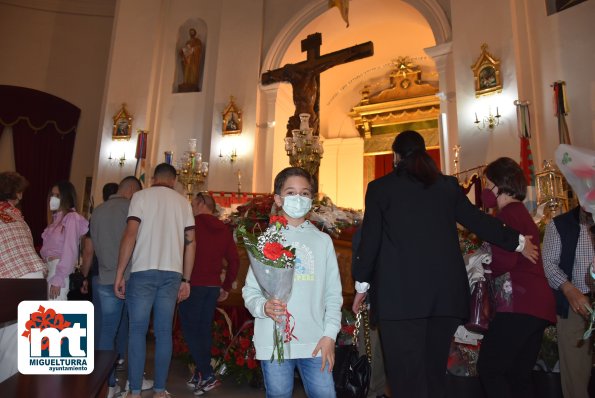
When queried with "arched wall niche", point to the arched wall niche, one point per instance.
{"points": [[183, 35]]}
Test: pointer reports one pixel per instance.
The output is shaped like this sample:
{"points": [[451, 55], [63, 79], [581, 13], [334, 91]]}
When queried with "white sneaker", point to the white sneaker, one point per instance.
{"points": [[147, 384], [113, 391]]}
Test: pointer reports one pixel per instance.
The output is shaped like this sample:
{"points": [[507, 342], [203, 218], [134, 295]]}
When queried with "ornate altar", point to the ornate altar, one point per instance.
{"points": [[407, 103]]}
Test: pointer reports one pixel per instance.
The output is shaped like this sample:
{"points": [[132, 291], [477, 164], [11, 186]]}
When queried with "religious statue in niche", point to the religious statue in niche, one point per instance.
{"points": [[232, 119], [486, 72], [304, 77], [122, 124], [190, 55]]}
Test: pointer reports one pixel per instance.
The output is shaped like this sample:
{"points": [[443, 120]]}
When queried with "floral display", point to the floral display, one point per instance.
{"points": [[232, 355], [345, 336], [548, 357], [338, 222], [272, 264]]}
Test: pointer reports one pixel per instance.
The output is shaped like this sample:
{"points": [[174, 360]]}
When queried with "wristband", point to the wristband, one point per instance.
{"points": [[185, 280]]}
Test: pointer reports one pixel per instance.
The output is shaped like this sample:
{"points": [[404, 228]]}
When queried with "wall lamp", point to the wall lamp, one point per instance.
{"points": [[121, 160], [490, 121]]}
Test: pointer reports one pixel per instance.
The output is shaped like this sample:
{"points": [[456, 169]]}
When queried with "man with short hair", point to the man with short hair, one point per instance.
{"points": [[568, 251], [106, 228], [214, 243], [159, 236]]}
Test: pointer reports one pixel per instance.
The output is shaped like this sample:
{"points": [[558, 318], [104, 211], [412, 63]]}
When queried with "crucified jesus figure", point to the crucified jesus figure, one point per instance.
{"points": [[304, 77]]}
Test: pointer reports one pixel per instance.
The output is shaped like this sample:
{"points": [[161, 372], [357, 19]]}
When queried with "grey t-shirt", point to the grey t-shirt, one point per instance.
{"points": [[107, 226]]}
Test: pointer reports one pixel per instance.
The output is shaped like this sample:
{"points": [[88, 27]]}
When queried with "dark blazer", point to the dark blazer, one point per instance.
{"points": [[410, 248]]}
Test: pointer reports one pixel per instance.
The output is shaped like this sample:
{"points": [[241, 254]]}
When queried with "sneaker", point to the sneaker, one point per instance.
{"points": [[128, 394], [206, 385], [147, 384], [194, 380], [113, 391], [120, 365], [163, 394]]}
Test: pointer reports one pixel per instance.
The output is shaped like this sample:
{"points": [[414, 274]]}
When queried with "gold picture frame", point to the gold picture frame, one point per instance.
{"points": [[122, 125], [231, 119], [486, 73]]}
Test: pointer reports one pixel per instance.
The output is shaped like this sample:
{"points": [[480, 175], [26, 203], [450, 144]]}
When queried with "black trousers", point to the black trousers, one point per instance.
{"points": [[508, 353], [416, 353]]}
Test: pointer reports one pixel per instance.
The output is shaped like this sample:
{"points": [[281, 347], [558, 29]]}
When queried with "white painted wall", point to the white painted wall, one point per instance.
{"points": [[142, 71], [535, 50], [63, 54]]}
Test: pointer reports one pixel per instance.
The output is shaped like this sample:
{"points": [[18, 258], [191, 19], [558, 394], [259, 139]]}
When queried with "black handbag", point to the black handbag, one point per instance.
{"points": [[352, 372]]}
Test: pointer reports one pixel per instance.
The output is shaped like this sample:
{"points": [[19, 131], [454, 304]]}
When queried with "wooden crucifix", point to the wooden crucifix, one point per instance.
{"points": [[305, 77]]}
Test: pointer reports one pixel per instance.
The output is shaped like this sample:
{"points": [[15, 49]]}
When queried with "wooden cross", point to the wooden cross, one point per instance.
{"points": [[304, 77]]}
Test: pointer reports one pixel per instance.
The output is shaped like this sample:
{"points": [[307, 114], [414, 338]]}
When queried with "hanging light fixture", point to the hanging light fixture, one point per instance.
{"points": [[191, 170], [303, 148]]}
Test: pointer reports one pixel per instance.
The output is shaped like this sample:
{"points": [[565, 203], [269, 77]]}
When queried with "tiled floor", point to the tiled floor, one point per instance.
{"points": [[179, 374]]}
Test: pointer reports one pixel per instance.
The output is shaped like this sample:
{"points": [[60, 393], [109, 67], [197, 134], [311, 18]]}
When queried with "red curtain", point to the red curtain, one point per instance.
{"points": [[44, 130], [383, 164]]}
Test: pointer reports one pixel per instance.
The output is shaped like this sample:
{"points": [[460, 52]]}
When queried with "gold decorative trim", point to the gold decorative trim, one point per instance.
{"points": [[231, 119], [486, 73], [122, 125], [37, 128]]}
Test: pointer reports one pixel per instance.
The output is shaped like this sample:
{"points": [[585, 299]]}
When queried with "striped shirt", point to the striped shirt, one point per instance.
{"points": [[552, 248]]}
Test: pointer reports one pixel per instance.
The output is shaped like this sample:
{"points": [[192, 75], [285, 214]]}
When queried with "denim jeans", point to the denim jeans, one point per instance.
{"points": [[196, 317], [278, 378], [97, 307], [158, 291], [111, 317]]}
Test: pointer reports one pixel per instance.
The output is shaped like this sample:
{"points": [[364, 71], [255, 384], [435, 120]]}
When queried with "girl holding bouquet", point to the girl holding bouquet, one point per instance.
{"points": [[312, 314]]}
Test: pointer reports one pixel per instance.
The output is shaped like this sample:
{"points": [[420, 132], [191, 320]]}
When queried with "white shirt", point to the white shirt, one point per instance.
{"points": [[164, 215]]}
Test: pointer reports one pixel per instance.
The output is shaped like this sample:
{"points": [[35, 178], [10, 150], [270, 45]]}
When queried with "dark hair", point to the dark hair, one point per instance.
{"points": [[415, 161], [109, 189], [207, 200], [293, 172], [67, 195], [11, 183], [508, 176], [131, 180], [165, 170]]}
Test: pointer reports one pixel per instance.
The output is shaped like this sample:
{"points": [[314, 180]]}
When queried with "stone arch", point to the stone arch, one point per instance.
{"points": [[263, 169]]}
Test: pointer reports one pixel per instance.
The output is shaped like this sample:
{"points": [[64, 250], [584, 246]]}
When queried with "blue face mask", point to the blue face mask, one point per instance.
{"points": [[296, 206]]}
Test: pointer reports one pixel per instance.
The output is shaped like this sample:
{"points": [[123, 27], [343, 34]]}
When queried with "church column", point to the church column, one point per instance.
{"points": [[442, 56], [265, 138]]}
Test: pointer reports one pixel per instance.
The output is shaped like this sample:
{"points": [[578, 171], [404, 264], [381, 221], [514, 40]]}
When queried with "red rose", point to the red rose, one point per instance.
{"points": [[240, 361], [278, 219], [288, 253], [244, 343], [215, 351], [226, 358], [273, 250], [252, 363]]}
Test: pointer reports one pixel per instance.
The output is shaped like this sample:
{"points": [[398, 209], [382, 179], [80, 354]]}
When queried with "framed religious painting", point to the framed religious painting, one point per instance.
{"points": [[122, 124], [232, 119], [486, 73]]}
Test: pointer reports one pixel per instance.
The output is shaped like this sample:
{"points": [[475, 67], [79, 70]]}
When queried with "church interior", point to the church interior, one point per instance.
{"points": [[97, 55], [107, 82]]}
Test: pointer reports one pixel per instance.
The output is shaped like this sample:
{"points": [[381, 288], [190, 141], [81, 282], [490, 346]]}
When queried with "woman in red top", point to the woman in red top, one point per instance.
{"points": [[525, 303]]}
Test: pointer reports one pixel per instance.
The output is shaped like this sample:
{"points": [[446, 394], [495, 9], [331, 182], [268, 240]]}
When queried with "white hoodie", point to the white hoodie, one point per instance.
{"points": [[316, 297]]}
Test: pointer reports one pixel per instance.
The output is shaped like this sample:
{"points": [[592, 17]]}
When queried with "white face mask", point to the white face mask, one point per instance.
{"points": [[296, 206], [54, 203]]}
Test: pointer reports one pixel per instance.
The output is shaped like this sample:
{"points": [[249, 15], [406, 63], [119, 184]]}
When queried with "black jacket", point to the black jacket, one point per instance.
{"points": [[410, 249]]}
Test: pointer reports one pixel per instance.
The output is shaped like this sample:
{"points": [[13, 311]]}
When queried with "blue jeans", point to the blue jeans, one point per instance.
{"points": [[278, 378], [112, 309], [158, 291], [97, 307], [196, 317]]}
